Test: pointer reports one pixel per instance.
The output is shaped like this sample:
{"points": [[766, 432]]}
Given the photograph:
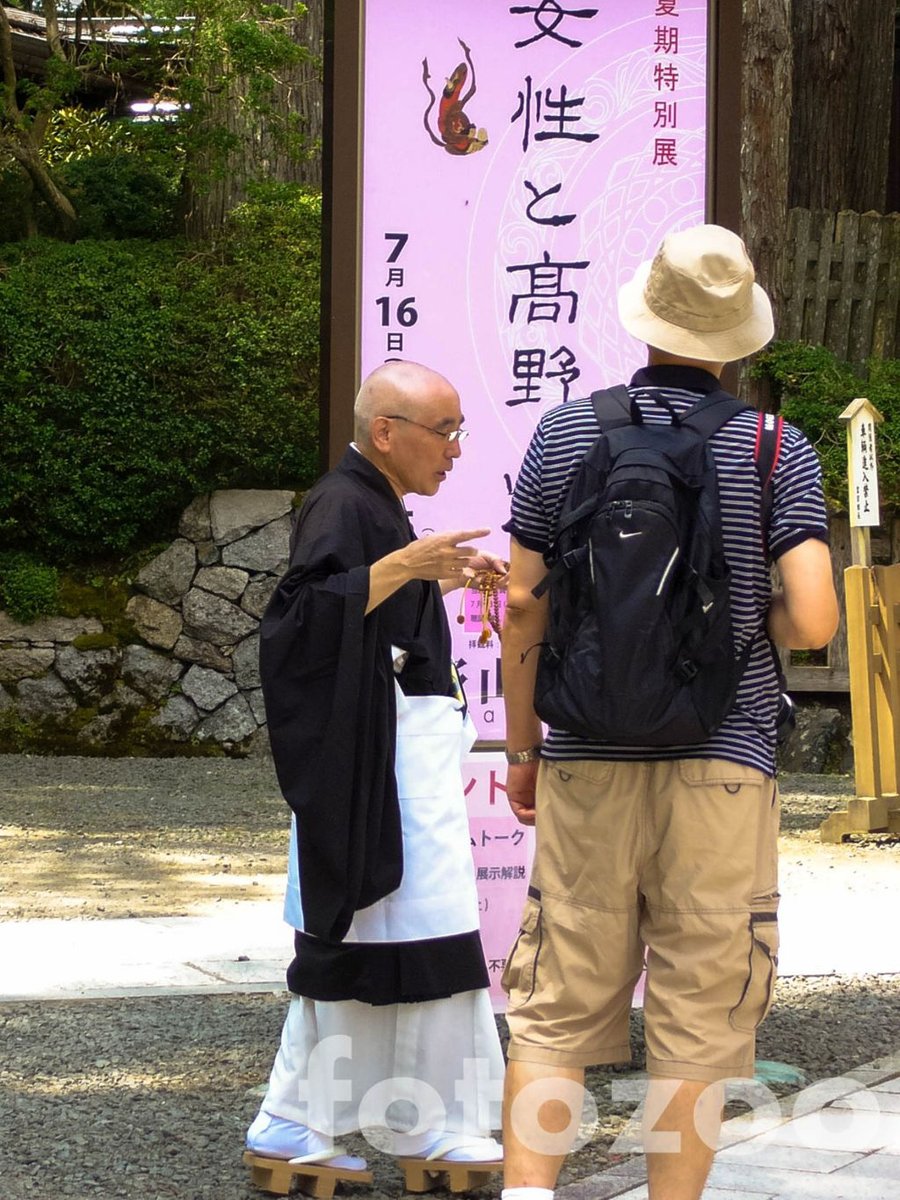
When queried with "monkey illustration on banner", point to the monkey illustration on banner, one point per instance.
{"points": [[458, 135]]}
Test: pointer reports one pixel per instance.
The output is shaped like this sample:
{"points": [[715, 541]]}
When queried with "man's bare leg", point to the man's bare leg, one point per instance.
{"points": [[525, 1165], [687, 1113]]}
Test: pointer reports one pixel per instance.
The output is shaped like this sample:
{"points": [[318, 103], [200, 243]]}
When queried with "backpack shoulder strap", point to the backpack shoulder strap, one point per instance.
{"points": [[612, 406], [766, 452], [714, 410]]}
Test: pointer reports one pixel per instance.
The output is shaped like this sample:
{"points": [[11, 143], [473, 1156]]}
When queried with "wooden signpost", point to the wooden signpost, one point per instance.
{"points": [[873, 643]]}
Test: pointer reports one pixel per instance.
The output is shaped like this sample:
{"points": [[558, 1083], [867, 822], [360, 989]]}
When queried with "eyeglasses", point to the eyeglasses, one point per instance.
{"points": [[455, 435]]}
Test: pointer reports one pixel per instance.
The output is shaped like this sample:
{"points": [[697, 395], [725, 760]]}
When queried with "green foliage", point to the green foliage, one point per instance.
{"points": [[62, 78], [28, 589], [259, 48], [226, 66], [77, 132], [124, 180], [238, 56], [138, 375], [60, 81], [122, 195], [814, 387]]}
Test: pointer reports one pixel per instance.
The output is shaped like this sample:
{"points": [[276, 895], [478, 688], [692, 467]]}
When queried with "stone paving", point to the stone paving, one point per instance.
{"points": [[836, 1139]]}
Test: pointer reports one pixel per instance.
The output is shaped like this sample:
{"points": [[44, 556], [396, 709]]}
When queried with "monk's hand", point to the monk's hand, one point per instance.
{"points": [[443, 556], [486, 564]]}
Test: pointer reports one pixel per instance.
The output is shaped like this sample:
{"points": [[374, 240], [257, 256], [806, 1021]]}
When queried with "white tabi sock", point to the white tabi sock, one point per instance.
{"points": [[527, 1193], [452, 1147], [274, 1137]]}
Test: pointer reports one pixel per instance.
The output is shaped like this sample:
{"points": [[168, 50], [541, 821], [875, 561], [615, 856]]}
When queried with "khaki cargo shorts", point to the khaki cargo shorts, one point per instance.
{"points": [[678, 859]]}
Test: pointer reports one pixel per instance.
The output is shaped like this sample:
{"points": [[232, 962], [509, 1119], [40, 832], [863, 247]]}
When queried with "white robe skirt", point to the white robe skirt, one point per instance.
{"points": [[344, 1065]]}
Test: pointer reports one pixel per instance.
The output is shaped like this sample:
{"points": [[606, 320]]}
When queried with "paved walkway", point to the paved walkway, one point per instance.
{"points": [[245, 947], [838, 1138], [831, 923]]}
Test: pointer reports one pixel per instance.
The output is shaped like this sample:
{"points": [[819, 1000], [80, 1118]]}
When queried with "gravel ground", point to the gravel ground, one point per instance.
{"points": [[149, 1098], [101, 837]]}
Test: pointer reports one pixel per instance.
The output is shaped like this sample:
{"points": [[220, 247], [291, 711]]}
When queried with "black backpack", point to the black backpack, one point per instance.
{"points": [[640, 649]]}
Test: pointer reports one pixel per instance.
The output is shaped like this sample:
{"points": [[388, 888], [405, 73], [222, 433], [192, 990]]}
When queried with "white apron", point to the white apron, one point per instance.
{"points": [[337, 1055], [437, 895]]}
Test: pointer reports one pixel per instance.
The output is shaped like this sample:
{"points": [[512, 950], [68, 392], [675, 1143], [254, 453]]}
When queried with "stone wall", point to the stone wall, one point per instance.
{"points": [[189, 679]]}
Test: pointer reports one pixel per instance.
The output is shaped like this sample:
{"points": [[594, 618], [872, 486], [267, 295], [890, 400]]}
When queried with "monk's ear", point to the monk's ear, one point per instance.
{"points": [[380, 433]]}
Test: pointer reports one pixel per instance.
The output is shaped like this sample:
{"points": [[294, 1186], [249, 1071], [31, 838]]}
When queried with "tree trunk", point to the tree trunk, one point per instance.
{"points": [[27, 211], [765, 143], [766, 109], [840, 130], [217, 182], [22, 139], [29, 159]]}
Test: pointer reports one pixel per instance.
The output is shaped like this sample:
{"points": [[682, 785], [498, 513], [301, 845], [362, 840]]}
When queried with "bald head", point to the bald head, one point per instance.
{"points": [[404, 388], [404, 416]]}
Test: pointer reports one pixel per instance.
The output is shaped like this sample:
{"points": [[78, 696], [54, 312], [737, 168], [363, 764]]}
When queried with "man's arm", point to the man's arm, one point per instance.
{"points": [[523, 629], [804, 614], [439, 556]]}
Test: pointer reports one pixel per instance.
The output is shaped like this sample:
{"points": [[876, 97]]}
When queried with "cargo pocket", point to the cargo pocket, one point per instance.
{"points": [[521, 965], [762, 963]]}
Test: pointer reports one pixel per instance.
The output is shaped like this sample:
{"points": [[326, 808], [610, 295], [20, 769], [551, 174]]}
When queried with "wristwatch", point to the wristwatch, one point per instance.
{"points": [[517, 757]]}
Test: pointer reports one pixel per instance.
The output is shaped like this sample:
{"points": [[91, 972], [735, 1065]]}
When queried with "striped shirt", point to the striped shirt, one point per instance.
{"points": [[561, 441]]}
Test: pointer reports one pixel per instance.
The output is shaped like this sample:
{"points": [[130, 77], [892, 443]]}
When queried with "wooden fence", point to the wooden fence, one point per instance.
{"points": [[828, 670], [841, 283], [841, 289]]}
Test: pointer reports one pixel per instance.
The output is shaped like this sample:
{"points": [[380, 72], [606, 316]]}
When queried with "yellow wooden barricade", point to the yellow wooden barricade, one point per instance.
{"points": [[872, 596], [873, 643]]}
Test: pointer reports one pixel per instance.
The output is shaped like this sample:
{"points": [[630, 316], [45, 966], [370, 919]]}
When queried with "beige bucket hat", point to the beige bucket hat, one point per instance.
{"points": [[697, 298]]}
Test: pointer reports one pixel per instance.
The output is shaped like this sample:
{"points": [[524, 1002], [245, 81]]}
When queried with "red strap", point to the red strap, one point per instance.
{"points": [[766, 451], [769, 430]]}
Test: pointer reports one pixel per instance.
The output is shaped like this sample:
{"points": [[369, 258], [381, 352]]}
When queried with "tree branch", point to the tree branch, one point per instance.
{"points": [[9, 68], [29, 160], [51, 17]]}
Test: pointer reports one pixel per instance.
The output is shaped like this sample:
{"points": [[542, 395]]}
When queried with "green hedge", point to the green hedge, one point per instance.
{"points": [[814, 387], [28, 589], [139, 374]]}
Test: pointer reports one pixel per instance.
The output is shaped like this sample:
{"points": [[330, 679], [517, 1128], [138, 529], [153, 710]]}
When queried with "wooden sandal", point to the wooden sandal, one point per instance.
{"points": [[426, 1174], [314, 1178]]}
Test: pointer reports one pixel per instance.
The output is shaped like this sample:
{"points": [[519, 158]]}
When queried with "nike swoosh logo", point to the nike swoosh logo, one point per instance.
{"points": [[637, 533]]}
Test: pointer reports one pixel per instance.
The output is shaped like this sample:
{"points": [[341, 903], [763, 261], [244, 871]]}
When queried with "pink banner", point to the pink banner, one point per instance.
{"points": [[520, 160], [502, 849]]}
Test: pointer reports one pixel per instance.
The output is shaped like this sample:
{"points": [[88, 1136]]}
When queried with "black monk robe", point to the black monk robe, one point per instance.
{"points": [[328, 682]]}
